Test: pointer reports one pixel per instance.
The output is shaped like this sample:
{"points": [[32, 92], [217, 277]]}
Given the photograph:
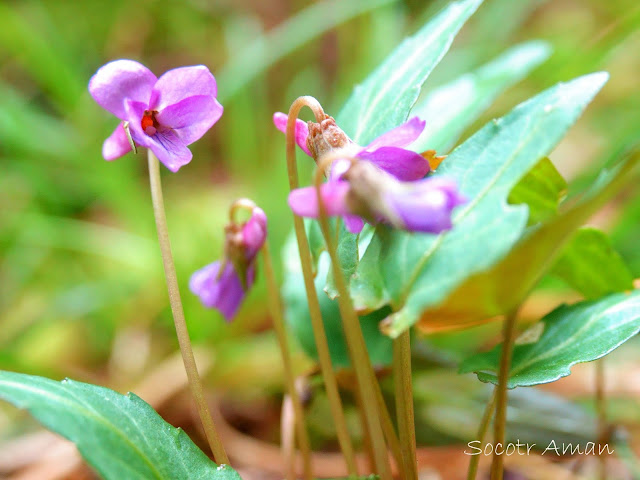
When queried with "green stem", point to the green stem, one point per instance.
{"points": [[389, 431], [275, 304], [482, 433], [366, 436], [601, 408], [500, 424], [195, 383], [404, 403], [322, 347], [355, 342]]}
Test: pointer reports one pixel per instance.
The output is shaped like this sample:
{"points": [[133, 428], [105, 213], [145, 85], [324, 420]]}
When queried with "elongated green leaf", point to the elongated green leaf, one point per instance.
{"points": [[384, 99], [413, 272], [592, 266], [267, 49], [121, 436], [572, 334], [626, 233], [505, 285], [379, 345], [51, 67], [451, 108], [541, 190]]}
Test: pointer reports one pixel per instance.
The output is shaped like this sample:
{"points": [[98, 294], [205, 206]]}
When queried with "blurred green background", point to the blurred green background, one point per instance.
{"points": [[81, 286]]}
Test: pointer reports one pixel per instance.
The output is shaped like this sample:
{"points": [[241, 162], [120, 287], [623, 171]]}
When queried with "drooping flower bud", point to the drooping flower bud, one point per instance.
{"points": [[318, 140], [367, 192], [224, 284], [326, 138]]}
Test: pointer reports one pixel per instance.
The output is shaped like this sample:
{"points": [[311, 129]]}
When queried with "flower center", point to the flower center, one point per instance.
{"points": [[149, 123]]}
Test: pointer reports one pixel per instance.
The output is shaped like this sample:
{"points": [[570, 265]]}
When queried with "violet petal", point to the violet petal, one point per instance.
{"points": [[254, 232], [116, 145], [338, 168], [134, 113], [427, 205], [304, 201], [165, 144], [353, 223], [405, 165], [400, 136], [180, 83], [118, 80], [169, 149], [302, 129], [192, 117], [220, 291]]}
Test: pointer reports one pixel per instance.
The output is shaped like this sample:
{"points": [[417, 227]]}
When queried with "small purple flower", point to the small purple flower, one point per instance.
{"points": [[163, 114], [366, 191], [223, 284], [221, 290], [386, 151]]}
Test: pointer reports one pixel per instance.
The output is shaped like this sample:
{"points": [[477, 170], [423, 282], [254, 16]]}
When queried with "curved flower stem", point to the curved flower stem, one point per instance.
{"points": [[482, 432], [404, 403], [195, 383], [355, 342], [324, 358], [500, 424], [275, 304], [601, 409]]}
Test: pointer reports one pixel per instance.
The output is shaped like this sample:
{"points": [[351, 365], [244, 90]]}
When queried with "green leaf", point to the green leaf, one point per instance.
{"points": [[379, 345], [449, 405], [451, 108], [541, 190], [347, 249], [626, 233], [121, 436], [572, 334], [506, 284], [267, 49], [384, 99], [414, 272], [43, 55], [592, 266], [457, 105]]}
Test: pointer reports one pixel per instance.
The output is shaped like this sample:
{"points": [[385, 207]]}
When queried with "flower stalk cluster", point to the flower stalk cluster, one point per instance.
{"points": [[364, 184], [380, 183]]}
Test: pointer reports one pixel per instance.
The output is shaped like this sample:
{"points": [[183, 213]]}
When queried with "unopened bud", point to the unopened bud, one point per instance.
{"points": [[326, 137]]}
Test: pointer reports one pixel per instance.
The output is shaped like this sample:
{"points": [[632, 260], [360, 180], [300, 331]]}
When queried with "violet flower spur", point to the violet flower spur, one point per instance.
{"points": [[223, 284], [386, 151], [366, 191], [163, 114]]}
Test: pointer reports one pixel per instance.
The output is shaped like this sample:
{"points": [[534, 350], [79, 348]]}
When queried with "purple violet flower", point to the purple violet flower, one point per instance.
{"points": [[385, 152], [223, 284], [366, 191], [164, 114]]}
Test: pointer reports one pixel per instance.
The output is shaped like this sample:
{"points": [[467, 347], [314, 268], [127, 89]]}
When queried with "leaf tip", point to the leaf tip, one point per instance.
{"points": [[594, 80], [537, 51]]}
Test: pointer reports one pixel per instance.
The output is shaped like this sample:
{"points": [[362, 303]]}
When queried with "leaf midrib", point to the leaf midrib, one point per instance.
{"points": [[422, 261], [88, 413], [388, 84], [586, 325], [372, 105]]}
